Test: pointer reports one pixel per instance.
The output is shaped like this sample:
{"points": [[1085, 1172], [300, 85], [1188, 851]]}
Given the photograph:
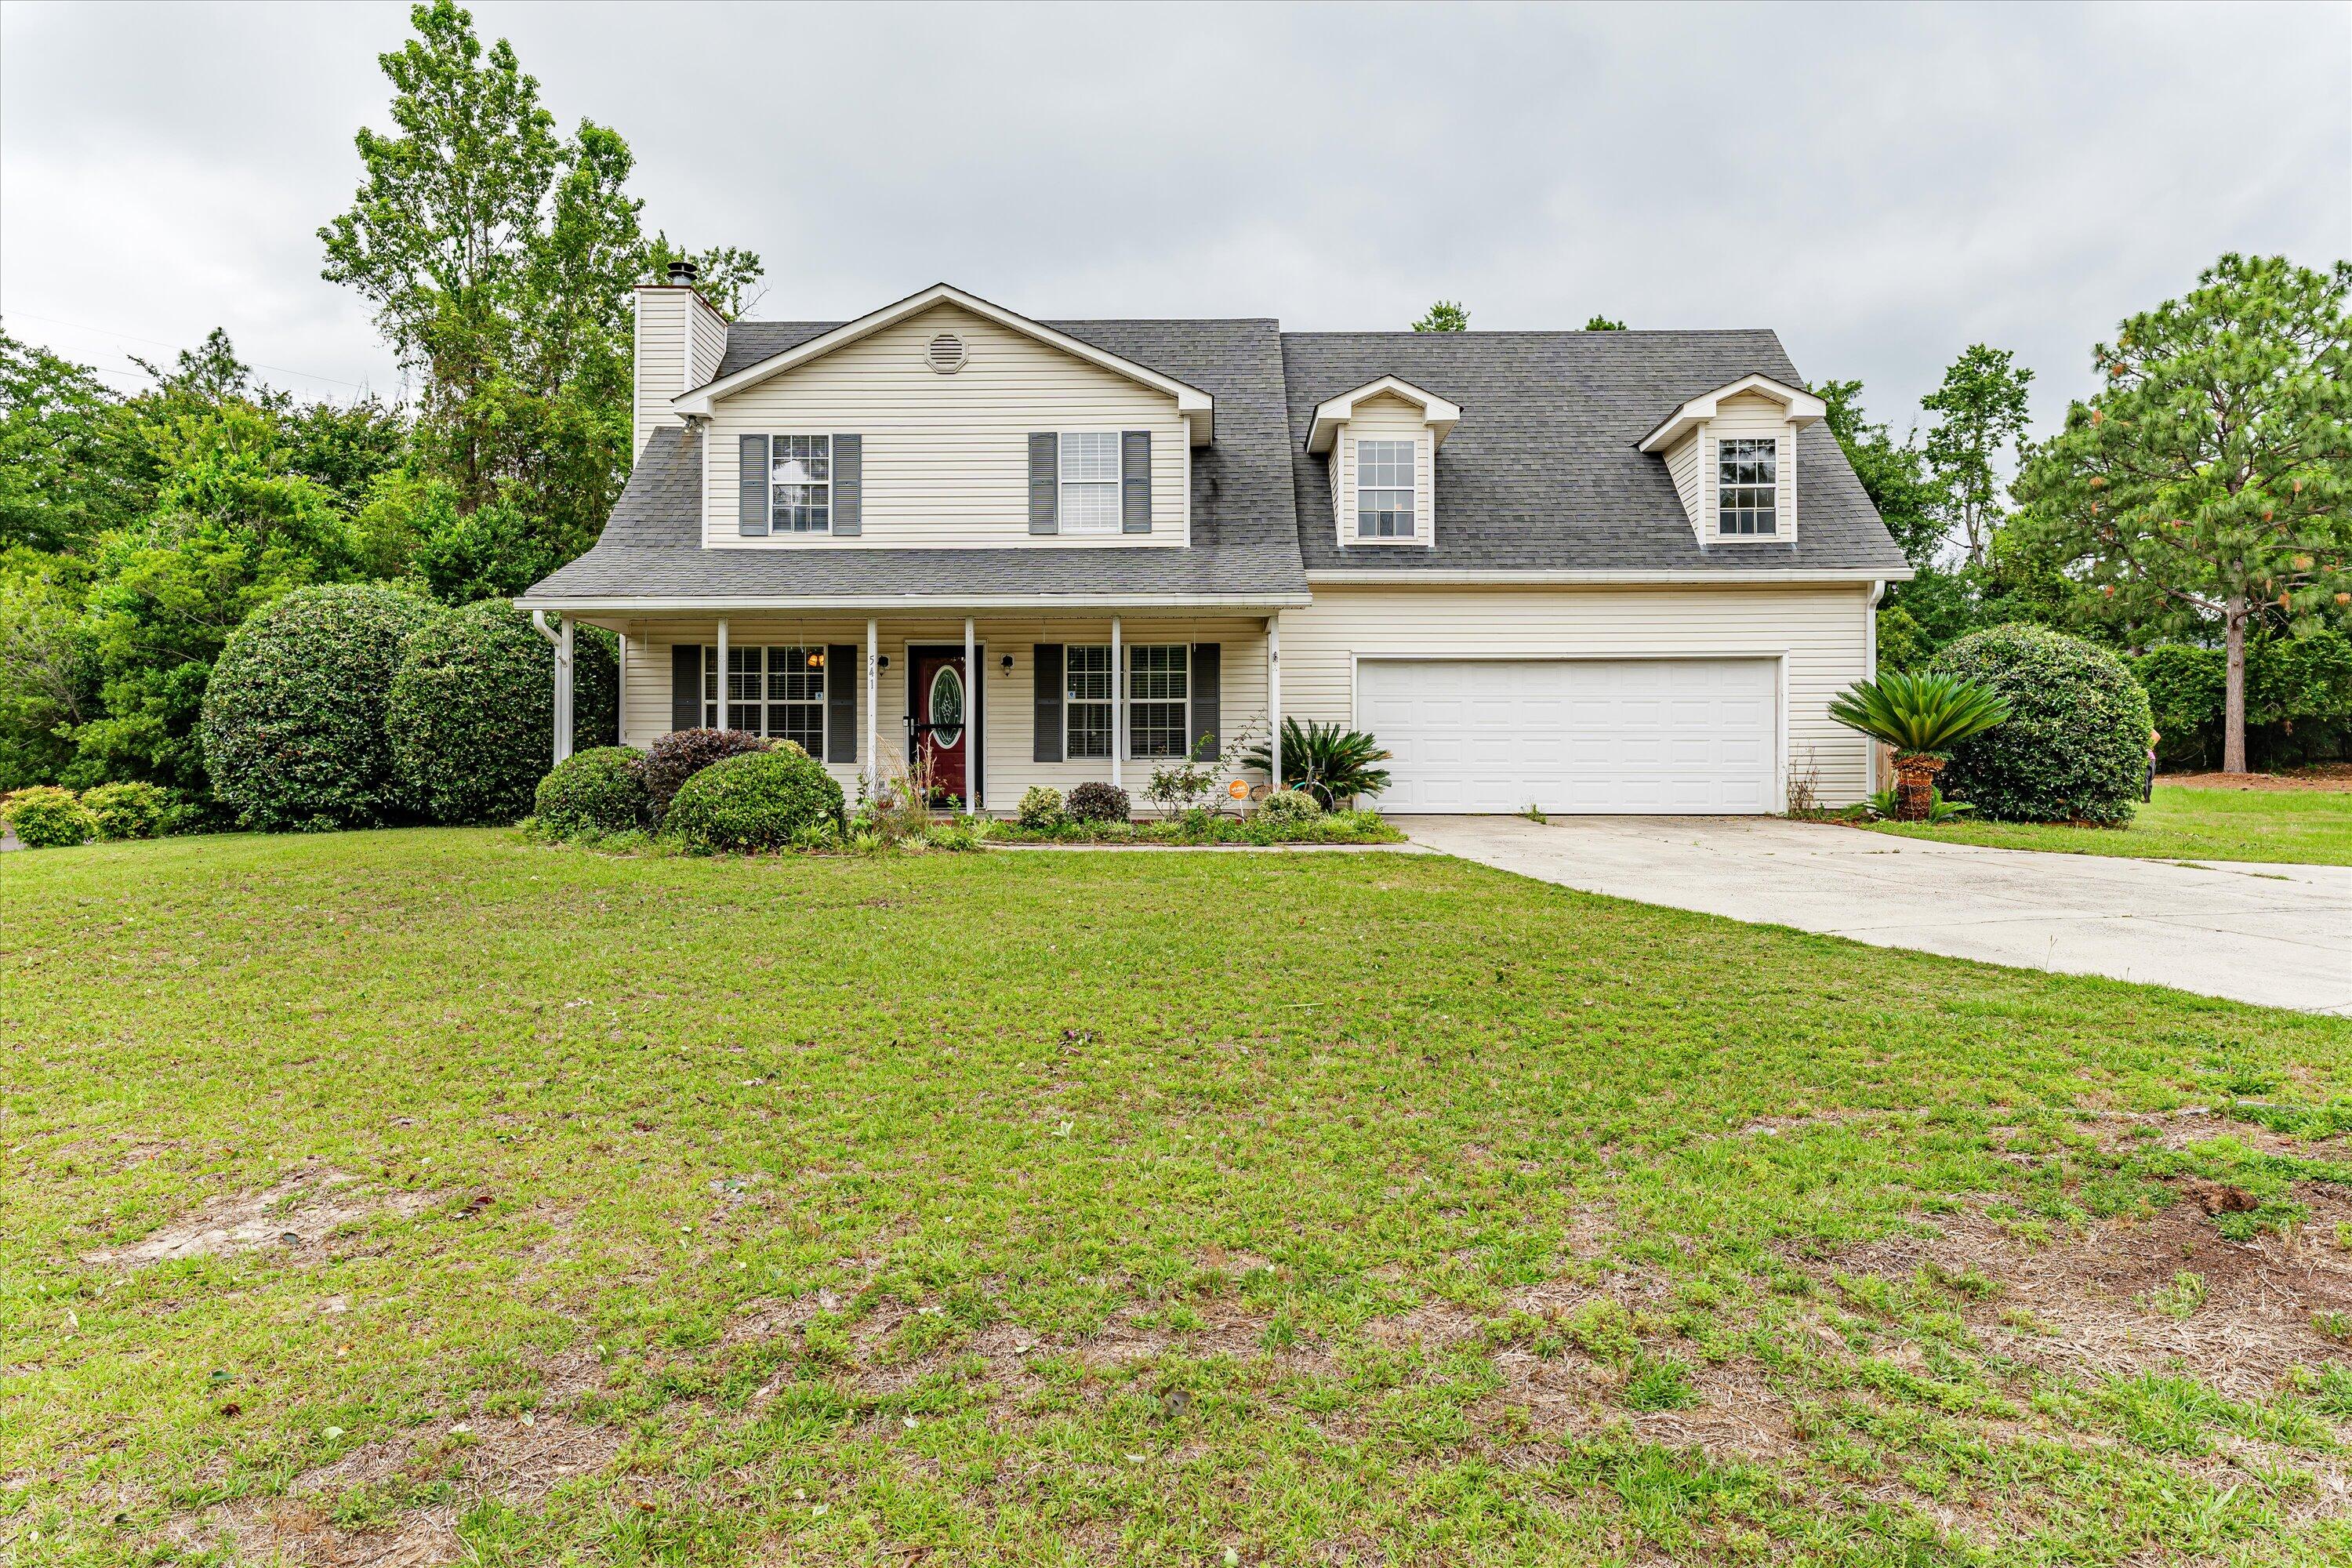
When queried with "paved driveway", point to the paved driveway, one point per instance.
{"points": [[2274, 934]]}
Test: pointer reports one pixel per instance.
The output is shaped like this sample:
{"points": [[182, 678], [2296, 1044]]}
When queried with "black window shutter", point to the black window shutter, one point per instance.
{"points": [[1208, 701], [1045, 485], [1135, 481], [685, 686], [840, 662], [752, 487], [1046, 741], [848, 486]]}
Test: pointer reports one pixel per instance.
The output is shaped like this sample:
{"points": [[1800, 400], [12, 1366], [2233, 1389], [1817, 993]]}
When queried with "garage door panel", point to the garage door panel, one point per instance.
{"points": [[1695, 736]]}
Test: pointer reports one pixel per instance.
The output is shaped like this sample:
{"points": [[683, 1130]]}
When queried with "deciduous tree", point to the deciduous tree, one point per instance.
{"points": [[1981, 412]]}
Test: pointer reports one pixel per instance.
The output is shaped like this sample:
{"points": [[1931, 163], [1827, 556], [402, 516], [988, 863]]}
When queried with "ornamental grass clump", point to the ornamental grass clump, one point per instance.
{"points": [[594, 793], [1923, 717], [756, 803]]}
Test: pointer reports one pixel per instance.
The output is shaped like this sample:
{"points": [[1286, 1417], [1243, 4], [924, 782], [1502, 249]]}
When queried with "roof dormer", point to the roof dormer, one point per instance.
{"points": [[1383, 440], [1732, 454]]}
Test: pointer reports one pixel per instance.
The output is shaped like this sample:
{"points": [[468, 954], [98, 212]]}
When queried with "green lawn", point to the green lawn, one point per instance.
{"points": [[1087, 1208], [2311, 827]]}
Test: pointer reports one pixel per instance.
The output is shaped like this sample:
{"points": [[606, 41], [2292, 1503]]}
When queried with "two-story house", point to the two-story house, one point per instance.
{"points": [[1588, 571]]}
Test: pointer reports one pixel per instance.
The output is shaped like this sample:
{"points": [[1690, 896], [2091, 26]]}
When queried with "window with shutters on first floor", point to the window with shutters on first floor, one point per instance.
{"points": [[1085, 707], [778, 692], [1158, 701]]}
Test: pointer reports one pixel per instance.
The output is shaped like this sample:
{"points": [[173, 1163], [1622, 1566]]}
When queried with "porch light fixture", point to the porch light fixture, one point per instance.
{"points": [[1007, 662]]}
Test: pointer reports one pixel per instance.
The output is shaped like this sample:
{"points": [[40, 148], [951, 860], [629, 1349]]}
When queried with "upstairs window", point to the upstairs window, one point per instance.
{"points": [[1384, 490], [1747, 486], [801, 484], [1089, 481]]}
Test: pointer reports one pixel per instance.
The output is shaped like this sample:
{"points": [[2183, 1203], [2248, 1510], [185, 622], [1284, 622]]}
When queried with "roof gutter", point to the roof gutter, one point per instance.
{"points": [[1721, 576], [936, 603]]}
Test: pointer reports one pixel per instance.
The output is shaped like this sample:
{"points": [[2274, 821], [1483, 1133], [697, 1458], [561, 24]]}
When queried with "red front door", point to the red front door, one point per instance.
{"points": [[942, 727]]}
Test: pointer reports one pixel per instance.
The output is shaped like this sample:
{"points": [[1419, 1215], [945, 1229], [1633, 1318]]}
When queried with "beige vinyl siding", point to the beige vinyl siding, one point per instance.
{"points": [[706, 344], [1010, 698], [1682, 467], [1818, 628], [945, 457], [1387, 417], [1751, 414], [661, 358]]}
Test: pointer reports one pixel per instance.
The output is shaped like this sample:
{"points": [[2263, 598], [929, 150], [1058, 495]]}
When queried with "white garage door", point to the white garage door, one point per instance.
{"points": [[1668, 735]]}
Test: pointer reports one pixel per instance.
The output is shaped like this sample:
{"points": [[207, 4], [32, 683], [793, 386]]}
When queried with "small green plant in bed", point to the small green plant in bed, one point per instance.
{"points": [[1201, 827]]}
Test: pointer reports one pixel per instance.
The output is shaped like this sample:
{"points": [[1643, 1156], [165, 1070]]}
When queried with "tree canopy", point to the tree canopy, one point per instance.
{"points": [[1446, 316]]}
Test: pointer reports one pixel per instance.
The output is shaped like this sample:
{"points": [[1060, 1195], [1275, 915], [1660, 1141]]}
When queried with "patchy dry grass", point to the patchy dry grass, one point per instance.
{"points": [[423, 1197]]}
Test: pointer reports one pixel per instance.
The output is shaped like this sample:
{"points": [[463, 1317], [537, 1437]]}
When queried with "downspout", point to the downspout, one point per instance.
{"points": [[1870, 672]]}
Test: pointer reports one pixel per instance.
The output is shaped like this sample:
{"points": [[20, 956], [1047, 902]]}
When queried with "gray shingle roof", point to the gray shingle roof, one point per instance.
{"points": [[1541, 474]]}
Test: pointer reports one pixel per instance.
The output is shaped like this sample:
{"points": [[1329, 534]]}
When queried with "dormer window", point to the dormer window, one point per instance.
{"points": [[1384, 483], [1747, 486]]}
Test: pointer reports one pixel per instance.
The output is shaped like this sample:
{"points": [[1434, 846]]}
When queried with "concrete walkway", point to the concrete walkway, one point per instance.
{"points": [[2281, 935]]}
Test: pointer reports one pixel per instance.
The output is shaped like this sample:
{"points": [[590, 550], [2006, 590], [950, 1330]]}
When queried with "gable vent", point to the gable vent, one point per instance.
{"points": [[945, 353]]}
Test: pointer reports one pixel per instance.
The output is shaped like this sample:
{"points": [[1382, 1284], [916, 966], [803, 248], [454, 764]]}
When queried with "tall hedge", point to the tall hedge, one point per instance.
{"points": [[472, 714], [2074, 746], [293, 721], [2299, 699]]}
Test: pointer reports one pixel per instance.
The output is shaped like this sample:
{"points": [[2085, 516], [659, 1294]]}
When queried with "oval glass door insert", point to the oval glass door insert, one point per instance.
{"points": [[947, 708]]}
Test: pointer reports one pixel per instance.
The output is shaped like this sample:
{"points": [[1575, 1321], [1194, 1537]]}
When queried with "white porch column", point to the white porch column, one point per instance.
{"points": [[872, 709], [1274, 696], [621, 691], [722, 674], [1118, 703], [972, 688], [563, 692]]}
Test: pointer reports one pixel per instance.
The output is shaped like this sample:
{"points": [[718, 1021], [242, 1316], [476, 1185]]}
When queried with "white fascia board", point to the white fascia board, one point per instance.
{"points": [[1452, 578], [934, 605], [1803, 408], [1197, 406], [1438, 414]]}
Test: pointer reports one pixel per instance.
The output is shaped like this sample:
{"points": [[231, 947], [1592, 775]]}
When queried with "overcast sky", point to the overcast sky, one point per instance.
{"points": [[1882, 185]]}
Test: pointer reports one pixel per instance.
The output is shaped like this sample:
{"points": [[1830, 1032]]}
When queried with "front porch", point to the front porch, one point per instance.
{"points": [[996, 704]]}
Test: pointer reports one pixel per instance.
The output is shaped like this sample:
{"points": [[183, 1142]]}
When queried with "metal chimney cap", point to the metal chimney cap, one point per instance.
{"points": [[683, 273]]}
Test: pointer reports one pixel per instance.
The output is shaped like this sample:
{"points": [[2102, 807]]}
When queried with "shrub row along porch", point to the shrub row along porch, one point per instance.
{"points": [[992, 705]]}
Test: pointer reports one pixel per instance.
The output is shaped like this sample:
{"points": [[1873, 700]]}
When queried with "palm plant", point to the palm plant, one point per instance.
{"points": [[1922, 716], [1328, 762]]}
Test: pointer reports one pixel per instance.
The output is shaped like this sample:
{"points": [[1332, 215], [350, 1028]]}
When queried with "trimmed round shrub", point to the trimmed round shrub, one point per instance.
{"points": [[603, 791], [1290, 806], [47, 817], [472, 714], [1040, 810], [128, 810], [293, 723], [2074, 745], [1094, 801], [761, 800], [682, 753]]}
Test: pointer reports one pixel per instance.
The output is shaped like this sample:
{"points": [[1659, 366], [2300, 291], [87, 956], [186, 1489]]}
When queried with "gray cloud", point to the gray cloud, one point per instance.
{"points": [[1883, 185]]}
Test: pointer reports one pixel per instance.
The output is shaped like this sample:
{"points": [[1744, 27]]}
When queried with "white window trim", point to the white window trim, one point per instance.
{"points": [[1062, 482], [1108, 703], [774, 530], [1412, 488], [1346, 498], [822, 702], [1186, 737], [1772, 490]]}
